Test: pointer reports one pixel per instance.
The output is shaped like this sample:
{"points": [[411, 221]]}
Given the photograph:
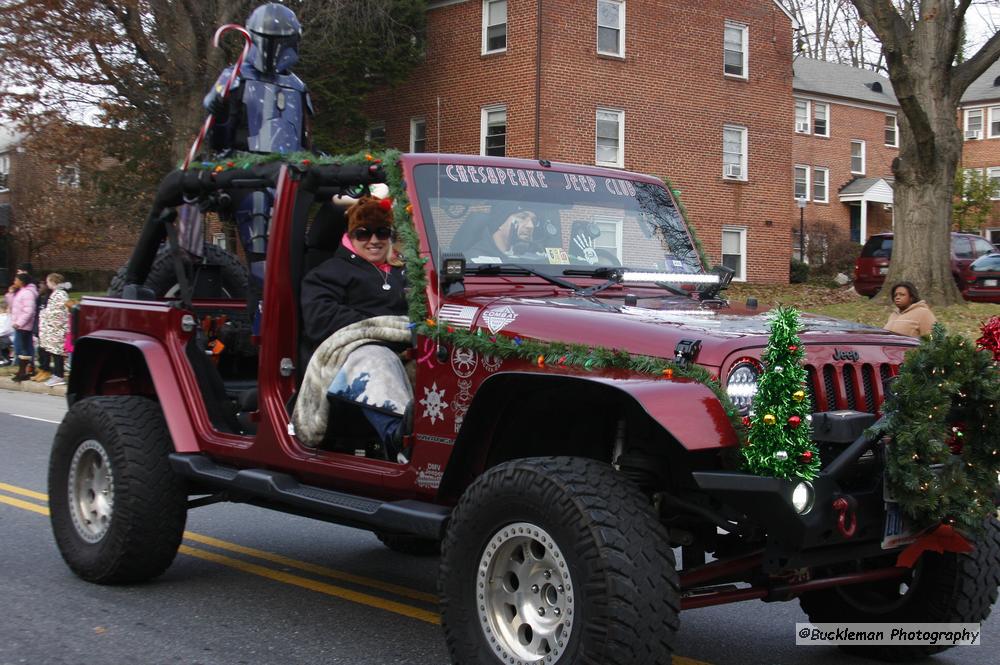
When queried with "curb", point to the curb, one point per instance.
{"points": [[7, 383]]}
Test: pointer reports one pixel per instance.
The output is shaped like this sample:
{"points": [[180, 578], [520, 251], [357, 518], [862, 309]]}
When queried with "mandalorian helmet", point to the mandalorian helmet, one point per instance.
{"points": [[275, 32]]}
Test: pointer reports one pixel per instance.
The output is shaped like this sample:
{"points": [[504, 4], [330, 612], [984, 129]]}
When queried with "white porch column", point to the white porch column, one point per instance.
{"points": [[864, 220]]}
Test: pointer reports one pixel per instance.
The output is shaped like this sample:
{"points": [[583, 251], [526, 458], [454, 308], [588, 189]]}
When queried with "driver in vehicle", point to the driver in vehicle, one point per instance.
{"points": [[513, 237]]}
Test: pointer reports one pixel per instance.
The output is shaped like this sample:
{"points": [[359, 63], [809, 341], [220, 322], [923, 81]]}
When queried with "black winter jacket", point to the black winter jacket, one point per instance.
{"points": [[344, 290]]}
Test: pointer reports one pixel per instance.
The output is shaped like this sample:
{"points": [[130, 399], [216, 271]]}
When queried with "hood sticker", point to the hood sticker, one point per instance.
{"points": [[499, 318], [434, 404], [464, 362], [458, 315]]}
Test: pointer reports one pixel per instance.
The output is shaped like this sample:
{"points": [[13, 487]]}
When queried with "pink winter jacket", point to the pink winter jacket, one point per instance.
{"points": [[22, 310]]}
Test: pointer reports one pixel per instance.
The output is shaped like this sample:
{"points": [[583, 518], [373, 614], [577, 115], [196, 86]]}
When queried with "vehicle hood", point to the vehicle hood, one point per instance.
{"points": [[653, 327]]}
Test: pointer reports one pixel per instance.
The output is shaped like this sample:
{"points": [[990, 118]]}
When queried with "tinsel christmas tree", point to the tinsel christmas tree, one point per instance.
{"points": [[779, 442], [943, 417]]}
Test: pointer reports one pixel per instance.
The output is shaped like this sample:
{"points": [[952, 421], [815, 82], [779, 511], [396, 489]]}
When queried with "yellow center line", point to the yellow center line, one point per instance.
{"points": [[405, 592], [313, 585], [13, 489], [17, 503]]}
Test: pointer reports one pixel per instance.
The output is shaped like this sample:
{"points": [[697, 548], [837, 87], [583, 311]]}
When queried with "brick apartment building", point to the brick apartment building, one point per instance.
{"points": [[979, 115], [845, 138], [699, 93]]}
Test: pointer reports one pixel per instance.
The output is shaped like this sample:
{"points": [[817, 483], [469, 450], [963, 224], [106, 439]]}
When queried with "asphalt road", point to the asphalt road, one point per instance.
{"points": [[257, 587]]}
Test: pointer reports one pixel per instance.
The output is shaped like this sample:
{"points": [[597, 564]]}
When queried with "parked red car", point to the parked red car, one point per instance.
{"points": [[982, 279], [873, 264]]}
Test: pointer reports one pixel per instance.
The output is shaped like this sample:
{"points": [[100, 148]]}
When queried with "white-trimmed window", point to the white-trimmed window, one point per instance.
{"points": [[493, 131], [494, 26], [734, 152], [891, 130], [418, 135], [801, 182], [734, 251], [802, 116], [68, 176], [821, 184], [611, 27], [821, 119], [4, 171], [973, 124], [610, 239], [735, 56], [610, 138], [994, 122], [858, 157], [993, 173], [375, 134]]}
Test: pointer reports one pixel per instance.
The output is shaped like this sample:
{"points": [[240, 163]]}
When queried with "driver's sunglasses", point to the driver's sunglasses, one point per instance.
{"points": [[364, 235]]}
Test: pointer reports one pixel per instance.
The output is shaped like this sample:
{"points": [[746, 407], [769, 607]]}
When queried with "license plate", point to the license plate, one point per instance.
{"points": [[897, 531], [884, 270], [989, 282]]}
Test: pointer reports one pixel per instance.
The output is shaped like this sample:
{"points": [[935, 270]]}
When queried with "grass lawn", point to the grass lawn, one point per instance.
{"points": [[843, 303]]}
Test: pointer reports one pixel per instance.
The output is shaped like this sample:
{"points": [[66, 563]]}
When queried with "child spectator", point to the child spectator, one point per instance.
{"points": [[6, 335], [44, 370], [24, 296], [53, 322]]}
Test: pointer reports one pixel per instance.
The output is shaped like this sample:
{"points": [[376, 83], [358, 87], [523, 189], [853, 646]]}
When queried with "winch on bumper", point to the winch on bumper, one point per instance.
{"points": [[839, 514]]}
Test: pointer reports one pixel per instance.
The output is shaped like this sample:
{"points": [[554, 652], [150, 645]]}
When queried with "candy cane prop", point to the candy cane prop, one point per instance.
{"points": [[210, 120]]}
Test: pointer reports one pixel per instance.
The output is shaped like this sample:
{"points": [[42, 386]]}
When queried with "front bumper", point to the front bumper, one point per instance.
{"points": [[797, 540]]}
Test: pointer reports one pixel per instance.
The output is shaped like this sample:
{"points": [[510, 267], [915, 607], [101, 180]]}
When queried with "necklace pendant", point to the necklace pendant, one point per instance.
{"points": [[386, 287]]}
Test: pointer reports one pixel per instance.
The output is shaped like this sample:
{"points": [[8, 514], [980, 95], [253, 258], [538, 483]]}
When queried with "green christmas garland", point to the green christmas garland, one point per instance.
{"points": [[943, 423], [542, 353]]}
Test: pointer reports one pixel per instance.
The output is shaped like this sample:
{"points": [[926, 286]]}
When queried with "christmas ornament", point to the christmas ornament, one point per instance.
{"points": [[668, 373], [793, 348], [806, 456], [746, 421], [794, 421], [769, 419], [781, 455], [989, 338], [799, 395], [779, 369]]}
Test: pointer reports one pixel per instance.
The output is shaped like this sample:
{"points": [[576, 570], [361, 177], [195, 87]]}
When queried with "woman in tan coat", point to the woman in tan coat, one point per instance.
{"points": [[912, 316]]}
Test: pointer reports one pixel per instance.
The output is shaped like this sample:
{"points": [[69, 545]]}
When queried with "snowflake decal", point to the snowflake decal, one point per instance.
{"points": [[434, 403]]}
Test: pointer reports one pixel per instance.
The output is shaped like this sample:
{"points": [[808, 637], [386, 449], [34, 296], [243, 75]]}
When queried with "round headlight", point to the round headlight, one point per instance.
{"points": [[803, 497], [741, 386]]}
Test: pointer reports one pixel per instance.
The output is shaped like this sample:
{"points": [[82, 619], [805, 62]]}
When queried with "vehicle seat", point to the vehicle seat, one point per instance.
{"points": [[324, 235]]}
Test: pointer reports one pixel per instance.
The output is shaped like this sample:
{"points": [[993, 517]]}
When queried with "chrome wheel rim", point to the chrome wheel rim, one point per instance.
{"points": [[525, 596], [91, 491]]}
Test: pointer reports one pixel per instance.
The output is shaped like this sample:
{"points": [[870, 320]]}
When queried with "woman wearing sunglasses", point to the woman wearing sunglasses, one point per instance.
{"points": [[363, 280]]}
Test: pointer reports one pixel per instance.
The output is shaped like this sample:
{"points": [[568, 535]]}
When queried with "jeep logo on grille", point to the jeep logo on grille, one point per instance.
{"points": [[846, 355]]}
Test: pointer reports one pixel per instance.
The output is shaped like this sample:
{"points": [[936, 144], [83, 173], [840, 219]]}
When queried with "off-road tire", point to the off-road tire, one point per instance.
{"points": [[145, 520], [411, 545], [162, 276], [945, 588], [619, 588]]}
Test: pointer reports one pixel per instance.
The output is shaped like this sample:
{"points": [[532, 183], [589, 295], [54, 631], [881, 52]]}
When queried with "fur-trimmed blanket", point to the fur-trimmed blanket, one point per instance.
{"points": [[311, 409]]}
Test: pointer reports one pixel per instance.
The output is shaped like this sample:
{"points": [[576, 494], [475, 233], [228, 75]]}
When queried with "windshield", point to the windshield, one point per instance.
{"points": [[552, 221]]}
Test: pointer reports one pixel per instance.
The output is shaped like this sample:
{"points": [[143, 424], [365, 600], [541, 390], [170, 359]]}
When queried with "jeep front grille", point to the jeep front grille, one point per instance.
{"points": [[848, 386]]}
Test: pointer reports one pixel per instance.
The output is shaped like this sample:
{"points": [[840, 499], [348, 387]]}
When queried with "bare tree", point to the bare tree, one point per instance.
{"points": [[831, 30], [921, 42]]}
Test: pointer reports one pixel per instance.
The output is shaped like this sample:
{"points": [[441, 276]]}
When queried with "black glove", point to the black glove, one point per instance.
{"points": [[217, 107]]}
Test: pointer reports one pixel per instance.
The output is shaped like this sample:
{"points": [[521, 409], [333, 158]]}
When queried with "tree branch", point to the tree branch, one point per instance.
{"points": [[964, 74]]}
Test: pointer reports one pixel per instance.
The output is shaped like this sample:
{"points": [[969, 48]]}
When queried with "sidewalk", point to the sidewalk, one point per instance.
{"points": [[7, 383]]}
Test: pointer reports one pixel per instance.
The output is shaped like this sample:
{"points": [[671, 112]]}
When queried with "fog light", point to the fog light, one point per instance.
{"points": [[803, 497]]}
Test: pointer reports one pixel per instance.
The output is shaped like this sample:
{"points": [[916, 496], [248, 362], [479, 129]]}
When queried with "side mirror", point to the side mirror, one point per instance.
{"points": [[452, 272]]}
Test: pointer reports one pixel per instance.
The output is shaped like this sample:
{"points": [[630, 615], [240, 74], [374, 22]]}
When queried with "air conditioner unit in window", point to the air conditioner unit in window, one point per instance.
{"points": [[802, 127], [972, 134], [733, 171]]}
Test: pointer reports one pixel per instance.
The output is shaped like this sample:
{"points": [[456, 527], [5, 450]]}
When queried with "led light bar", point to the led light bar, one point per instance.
{"points": [[669, 277]]}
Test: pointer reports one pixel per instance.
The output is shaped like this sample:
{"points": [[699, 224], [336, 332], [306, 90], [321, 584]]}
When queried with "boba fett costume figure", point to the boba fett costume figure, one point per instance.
{"points": [[268, 108]]}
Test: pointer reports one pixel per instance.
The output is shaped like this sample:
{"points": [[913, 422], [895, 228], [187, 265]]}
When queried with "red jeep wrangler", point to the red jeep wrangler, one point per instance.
{"points": [[556, 485]]}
